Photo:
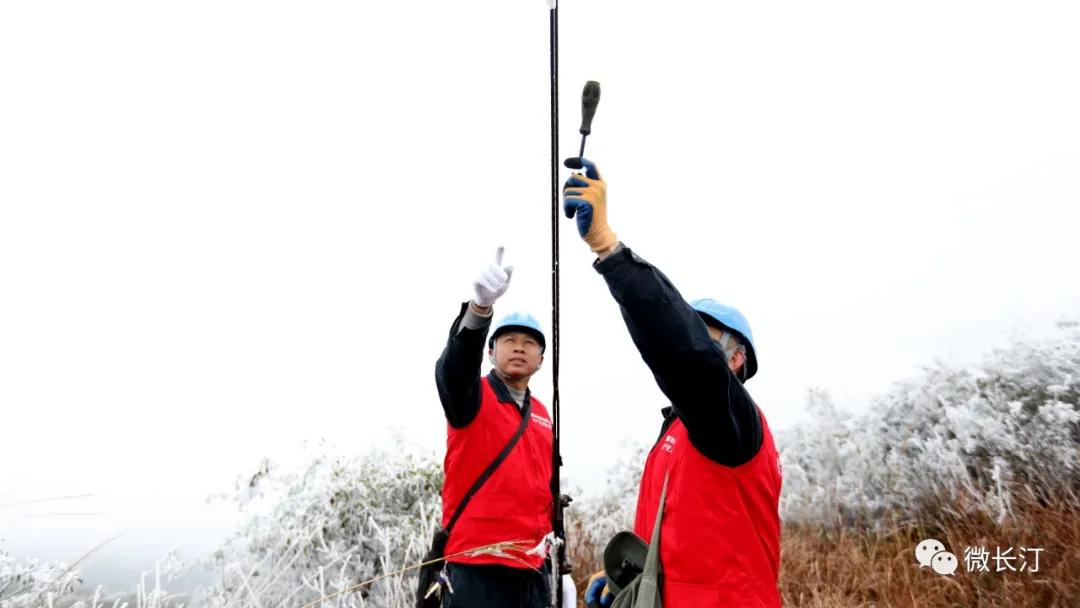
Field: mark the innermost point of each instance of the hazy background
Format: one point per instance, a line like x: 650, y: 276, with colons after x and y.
x: 227, y: 228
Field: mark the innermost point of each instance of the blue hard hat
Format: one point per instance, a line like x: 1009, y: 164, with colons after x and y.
x: 518, y: 321
x: 714, y: 313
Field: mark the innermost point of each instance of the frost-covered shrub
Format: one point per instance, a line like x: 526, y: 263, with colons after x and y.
x: 828, y: 464
x: 31, y: 582
x: 336, y: 523
x: 593, y: 520
x: 149, y: 592
x: 956, y: 439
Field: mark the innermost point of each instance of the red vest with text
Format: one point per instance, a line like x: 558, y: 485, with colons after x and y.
x: 515, y: 503
x: 720, y: 536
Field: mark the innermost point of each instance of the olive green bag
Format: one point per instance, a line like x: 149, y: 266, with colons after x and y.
x: 644, y: 590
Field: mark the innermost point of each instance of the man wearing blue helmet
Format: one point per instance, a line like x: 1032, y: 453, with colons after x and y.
x: 720, y: 527
x: 493, y: 421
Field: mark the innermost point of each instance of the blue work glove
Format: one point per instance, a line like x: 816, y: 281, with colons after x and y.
x: 585, y: 197
x: 597, y: 594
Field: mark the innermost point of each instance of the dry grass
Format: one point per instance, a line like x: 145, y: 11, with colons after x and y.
x: 853, y: 566
x: 849, y: 566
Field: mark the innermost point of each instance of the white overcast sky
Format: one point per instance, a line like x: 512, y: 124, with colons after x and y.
x: 230, y: 227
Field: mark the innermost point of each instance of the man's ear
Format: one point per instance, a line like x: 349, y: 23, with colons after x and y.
x: 540, y: 363
x: 739, y: 359
x: 491, y: 356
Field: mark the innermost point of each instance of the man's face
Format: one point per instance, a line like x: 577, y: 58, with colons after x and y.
x: 737, y: 360
x: 517, y: 354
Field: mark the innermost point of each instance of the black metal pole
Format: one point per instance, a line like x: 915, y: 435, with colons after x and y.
x: 556, y: 490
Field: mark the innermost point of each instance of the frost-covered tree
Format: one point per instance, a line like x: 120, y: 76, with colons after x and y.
x: 335, y: 523
x: 957, y: 439
x: 593, y: 520
x: 28, y: 583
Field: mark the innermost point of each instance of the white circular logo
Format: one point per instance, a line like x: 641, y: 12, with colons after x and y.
x: 926, y: 550
x: 944, y: 563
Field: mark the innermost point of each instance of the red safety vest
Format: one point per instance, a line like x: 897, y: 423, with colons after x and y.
x: 720, y: 537
x: 515, y: 503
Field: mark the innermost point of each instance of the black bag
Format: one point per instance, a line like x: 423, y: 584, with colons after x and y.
x: 434, y: 574
x: 431, y: 574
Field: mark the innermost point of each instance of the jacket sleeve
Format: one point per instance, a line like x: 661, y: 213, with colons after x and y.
x: 689, y: 367
x: 457, y: 372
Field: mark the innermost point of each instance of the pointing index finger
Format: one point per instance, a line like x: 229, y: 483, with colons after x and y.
x: 499, y: 255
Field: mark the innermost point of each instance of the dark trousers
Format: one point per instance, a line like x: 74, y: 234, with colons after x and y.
x: 491, y: 586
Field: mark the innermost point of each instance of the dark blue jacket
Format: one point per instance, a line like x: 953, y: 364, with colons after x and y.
x: 689, y: 367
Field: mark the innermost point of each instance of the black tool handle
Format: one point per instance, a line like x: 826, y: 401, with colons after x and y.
x: 590, y: 98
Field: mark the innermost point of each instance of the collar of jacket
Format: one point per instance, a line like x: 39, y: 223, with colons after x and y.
x: 503, y: 394
x: 669, y: 418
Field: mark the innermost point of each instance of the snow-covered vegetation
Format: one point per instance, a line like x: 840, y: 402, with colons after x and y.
x: 956, y: 439
x: 972, y: 457
x: 592, y: 520
x: 983, y: 442
x: 318, y: 532
x: 26, y: 583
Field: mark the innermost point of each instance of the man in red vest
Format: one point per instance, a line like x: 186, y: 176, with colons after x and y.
x: 482, y: 414
x: 720, y: 533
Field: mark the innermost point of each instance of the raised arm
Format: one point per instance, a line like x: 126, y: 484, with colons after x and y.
x: 689, y: 367
x: 457, y: 372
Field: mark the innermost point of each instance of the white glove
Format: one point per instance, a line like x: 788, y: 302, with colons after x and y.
x: 493, y: 282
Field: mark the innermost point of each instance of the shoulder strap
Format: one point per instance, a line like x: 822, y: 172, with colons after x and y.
x: 648, y: 593
x: 526, y: 415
